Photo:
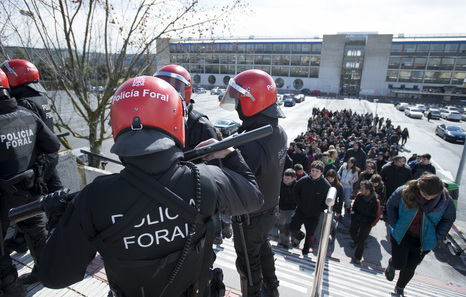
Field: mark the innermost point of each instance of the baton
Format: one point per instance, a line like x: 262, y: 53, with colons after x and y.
x: 63, y: 134
x: 231, y: 141
x: 31, y: 209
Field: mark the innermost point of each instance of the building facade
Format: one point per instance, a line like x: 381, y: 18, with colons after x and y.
x: 349, y: 64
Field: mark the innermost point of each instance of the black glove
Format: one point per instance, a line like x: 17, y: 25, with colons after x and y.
x: 54, y: 204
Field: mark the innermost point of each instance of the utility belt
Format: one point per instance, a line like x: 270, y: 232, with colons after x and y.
x: 245, y: 219
x: 21, y: 181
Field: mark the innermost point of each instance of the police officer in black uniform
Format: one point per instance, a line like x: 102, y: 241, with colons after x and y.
x: 253, y: 94
x: 148, y: 246
x: 22, y: 136
x: 198, y: 126
x: 23, y: 78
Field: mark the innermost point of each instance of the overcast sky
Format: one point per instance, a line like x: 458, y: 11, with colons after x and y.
x: 306, y: 18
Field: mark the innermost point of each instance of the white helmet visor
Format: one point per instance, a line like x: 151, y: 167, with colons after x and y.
x: 232, y: 94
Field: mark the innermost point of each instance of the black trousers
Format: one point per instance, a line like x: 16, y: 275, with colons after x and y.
x: 359, y: 233
x: 33, y: 228
x: 258, y: 250
x: 310, y: 223
x: 406, y: 256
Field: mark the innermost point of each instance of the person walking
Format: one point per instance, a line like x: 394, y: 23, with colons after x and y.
x: 404, y: 136
x: 363, y: 215
x: 152, y: 221
x: 22, y: 136
x: 348, y: 175
x: 310, y: 193
x: 395, y: 174
x: 287, y: 205
x: 420, y: 214
x: 253, y: 94
x: 424, y: 166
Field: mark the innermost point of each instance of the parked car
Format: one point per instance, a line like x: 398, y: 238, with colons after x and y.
x: 227, y: 127
x: 288, y: 100
x: 453, y: 133
x: 435, y: 113
x: 306, y: 91
x: 452, y: 108
x: 220, y: 97
x: 299, y: 98
x: 463, y: 116
x: 402, y: 106
x: 216, y: 91
x: 451, y: 115
x: 201, y: 91
x: 421, y: 107
x: 413, y: 112
x: 279, y: 99
x: 315, y: 93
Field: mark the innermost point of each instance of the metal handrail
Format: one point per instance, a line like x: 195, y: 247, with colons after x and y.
x: 324, y: 238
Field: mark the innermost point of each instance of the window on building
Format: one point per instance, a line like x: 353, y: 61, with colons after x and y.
x: 299, y: 71
x: 315, y: 60
x: 298, y: 84
x: 392, y: 75
x: 268, y: 48
x: 462, y: 51
x: 316, y: 48
x: 420, y: 63
x: 242, y: 68
x: 232, y: 48
x: 405, y: 76
x: 355, y: 65
x: 437, y: 77
x: 423, y: 49
x: 417, y: 76
x: 224, y: 48
x: 397, y: 49
x: 434, y: 63
x: 279, y: 82
x: 306, y: 48
x: 458, y: 78
x: 278, y: 48
x: 211, y: 58
x: 451, y: 48
x: 409, y: 48
x: 407, y: 63
x: 259, y: 48
x: 279, y: 71
x: 173, y: 59
x: 197, y: 79
x: 195, y: 68
x: 212, y: 68
x: 281, y: 60
x: 437, y: 48
x: 394, y: 62
x: 263, y: 68
x: 314, y: 72
x: 447, y: 63
x: 295, y: 48
x: 354, y: 53
x: 460, y: 64
x: 262, y: 59
x: 227, y: 69
x: 226, y: 79
x: 444, y: 78
x: 211, y: 79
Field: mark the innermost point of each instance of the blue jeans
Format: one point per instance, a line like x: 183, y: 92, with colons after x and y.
x: 347, y: 192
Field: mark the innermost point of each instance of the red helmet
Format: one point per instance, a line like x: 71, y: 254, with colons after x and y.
x: 146, y: 116
x: 179, y: 78
x: 256, y: 91
x: 3, y: 80
x: 20, y: 72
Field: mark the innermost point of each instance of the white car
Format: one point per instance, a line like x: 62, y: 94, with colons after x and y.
x: 421, y: 107
x: 435, y: 113
x: 413, y: 112
x: 402, y: 106
x: 451, y: 115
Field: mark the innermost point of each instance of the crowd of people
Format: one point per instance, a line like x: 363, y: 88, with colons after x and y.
x: 359, y: 155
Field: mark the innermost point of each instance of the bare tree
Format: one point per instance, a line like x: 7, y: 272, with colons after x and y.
x: 92, y: 43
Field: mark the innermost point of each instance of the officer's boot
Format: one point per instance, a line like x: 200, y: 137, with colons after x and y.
x: 35, y: 246
x: 270, y: 289
x: 9, y: 284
